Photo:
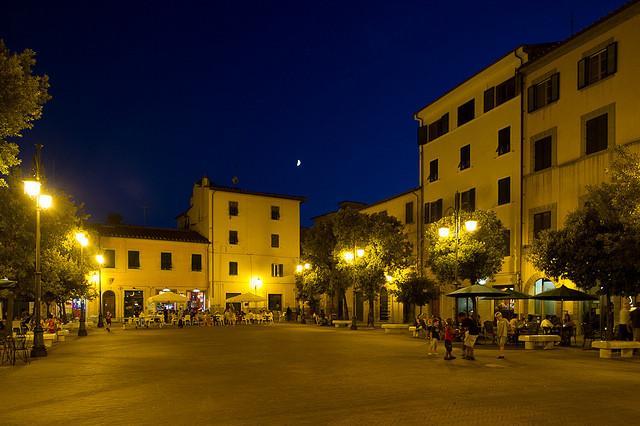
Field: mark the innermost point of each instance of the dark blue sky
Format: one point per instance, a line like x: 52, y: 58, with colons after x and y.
x: 148, y: 96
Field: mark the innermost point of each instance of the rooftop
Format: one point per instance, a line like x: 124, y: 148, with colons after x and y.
x: 149, y: 233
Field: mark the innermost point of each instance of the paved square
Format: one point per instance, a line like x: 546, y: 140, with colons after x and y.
x: 292, y: 374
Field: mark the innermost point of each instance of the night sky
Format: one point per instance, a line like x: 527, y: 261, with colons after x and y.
x: 149, y: 96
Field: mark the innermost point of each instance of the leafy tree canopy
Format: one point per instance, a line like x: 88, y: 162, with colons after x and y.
x: 416, y: 290
x: 22, y: 97
x: 476, y: 255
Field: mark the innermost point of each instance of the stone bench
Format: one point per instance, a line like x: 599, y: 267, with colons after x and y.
x: 533, y: 340
x: 62, y: 334
x: 49, y: 339
x: 395, y: 328
x: 414, y: 331
x: 607, y: 348
x: 341, y: 323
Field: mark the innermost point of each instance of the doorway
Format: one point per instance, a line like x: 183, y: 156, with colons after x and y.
x: 109, y: 303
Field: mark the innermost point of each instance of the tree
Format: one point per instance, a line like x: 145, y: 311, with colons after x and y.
x: 385, y: 252
x: 416, y: 291
x: 477, y: 255
x: 22, y: 97
x: 62, y: 276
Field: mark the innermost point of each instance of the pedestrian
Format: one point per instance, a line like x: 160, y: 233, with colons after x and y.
x: 502, y: 331
x: 108, y: 319
x: 448, y: 340
x: 624, y: 326
x: 635, y: 323
x: 434, y: 335
x: 470, y: 336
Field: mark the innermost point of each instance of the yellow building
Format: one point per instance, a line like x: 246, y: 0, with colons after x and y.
x: 255, y: 241
x: 469, y: 149
x: 140, y: 262
x: 581, y: 101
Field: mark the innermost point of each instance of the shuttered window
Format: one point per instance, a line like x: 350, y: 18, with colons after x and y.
x: 597, y: 134
x: 504, y: 141
x: 433, y: 170
x: 466, y: 112
x: 465, y: 157
x: 543, y: 93
x: 504, y: 191
x: 541, y: 221
x: 439, y: 127
x: 489, y: 100
x: 542, y: 154
x: 408, y: 212
x: 468, y: 200
x: 433, y: 211
x: 597, y: 66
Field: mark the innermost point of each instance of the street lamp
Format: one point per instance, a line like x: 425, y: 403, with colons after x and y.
x: 100, y: 261
x: 351, y: 257
x: 83, y: 241
x: 32, y: 189
x: 444, y: 232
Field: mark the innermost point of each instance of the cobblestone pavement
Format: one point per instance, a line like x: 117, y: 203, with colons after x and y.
x: 292, y: 374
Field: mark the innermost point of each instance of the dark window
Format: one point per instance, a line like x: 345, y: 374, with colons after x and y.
x: 597, y: 133
x: 489, y: 101
x: 504, y: 191
x: 433, y: 211
x: 439, y: 127
x: 542, y: 154
x: 505, y: 91
x: 165, y: 261
x: 196, y: 262
x: 233, y: 268
x: 275, y: 212
x: 109, y: 258
x: 277, y: 270
x: 408, y: 212
x: 543, y: 93
x: 465, y: 157
x: 466, y: 112
x: 598, y: 66
x: 133, y: 259
x: 468, y: 200
x: 233, y: 237
x: 504, y: 141
x: 233, y: 208
x: 506, y: 238
x: 423, y: 134
x: 541, y: 221
x: 275, y: 240
x: 433, y: 170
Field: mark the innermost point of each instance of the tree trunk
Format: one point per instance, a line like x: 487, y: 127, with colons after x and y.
x: 345, y: 305
x: 371, y: 318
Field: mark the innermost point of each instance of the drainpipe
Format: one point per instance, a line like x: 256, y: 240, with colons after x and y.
x: 520, y: 78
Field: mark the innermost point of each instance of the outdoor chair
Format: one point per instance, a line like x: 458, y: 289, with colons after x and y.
x: 489, y: 333
x: 187, y: 320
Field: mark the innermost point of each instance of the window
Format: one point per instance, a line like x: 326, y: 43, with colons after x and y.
x: 133, y: 259
x: 165, y: 261
x: 196, y: 262
x: 468, y: 200
x: 505, y: 91
x: 504, y: 141
x: 275, y: 212
x: 504, y: 191
x: 597, y: 66
x: 233, y: 237
x: 408, y: 212
x: 489, y: 99
x: 109, y: 258
x: 506, y: 238
x: 433, y: 170
x: 542, y: 154
x: 541, y: 221
x: 275, y: 240
x: 465, y: 157
x: 499, y: 94
x: 233, y: 208
x: 466, y: 112
x: 423, y: 134
x: 433, y: 211
x: 277, y: 270
x: 597, y: 130
x: 439, y: 127
x: 543, y: 93
x: 233, y: 268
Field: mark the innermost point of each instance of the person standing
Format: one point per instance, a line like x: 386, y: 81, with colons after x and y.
x: 108, y: 319
x: 448, y: 340
x: 502, y: 331
x: 625, y: 321
x: 635, y: 323
x: 470, y: 336
x: 434, y: 336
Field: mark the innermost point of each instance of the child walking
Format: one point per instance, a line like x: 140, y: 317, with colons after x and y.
x: 448, y: 340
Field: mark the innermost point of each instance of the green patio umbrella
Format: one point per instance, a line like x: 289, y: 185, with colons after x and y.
x: 563, y: 293
x: 474, y: 291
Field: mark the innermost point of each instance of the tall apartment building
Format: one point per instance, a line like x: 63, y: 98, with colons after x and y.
x: 255, y: 241
x: 526, y: 135
x: 581, y: 101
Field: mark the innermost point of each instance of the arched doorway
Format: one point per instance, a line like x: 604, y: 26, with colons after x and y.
x: 109, y: 303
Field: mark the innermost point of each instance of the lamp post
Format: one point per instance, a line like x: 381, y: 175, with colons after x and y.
x: 83, y: 241
x: 351, y: 257
x: 100, y: 261
x: 300, y: 269
x: 444, y: 232
x: 32, y: 188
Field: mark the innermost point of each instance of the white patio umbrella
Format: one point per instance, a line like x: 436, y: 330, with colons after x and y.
x: 246, y: 297
x: 167, y: 297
